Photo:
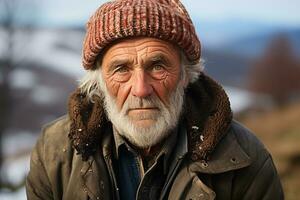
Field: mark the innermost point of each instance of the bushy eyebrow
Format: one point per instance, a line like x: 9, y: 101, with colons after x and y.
x: 153, y: 59
x: 158, y: 58
x: 119, y: 61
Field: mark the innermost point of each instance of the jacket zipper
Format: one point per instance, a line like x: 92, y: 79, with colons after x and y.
x: 170, y: 178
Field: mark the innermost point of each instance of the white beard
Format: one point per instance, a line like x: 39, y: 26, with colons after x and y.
x: 165, y: 119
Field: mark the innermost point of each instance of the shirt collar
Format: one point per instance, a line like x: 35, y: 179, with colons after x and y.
x: 119, y: 141
x: 165, y: 151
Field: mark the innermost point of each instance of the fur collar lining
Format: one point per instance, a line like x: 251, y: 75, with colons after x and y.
x: 207, y: 114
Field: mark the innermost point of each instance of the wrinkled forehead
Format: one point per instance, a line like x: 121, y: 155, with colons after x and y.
x: 139, y: 45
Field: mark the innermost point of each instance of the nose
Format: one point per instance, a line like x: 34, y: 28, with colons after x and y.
x: 141, y: 86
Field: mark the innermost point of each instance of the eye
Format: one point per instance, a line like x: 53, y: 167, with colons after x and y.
x: 157, y: 67
x: 121, y: 69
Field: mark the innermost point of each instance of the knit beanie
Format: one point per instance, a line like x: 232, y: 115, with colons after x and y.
x: 167, y: 20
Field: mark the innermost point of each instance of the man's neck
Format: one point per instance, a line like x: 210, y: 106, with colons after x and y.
x: 150, y: 151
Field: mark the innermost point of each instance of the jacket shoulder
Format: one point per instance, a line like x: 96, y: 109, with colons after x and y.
x: 53, y: 143
x: 242, y: 166
x: 248, y: 141
x: 260, y: 179
x: 51, y: 150
x: 56, y: 132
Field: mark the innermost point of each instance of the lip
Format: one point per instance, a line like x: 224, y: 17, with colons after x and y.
x: 151, y: 108
x: 142, y: 109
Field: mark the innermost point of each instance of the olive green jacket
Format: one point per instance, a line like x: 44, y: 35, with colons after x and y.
x: 239, y: 168
x: 216, y: 158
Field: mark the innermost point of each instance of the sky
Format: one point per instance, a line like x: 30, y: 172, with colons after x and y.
x: 281, y: 12
x: 216, y: 21
x: 76, y: 12
x: 274, y: 11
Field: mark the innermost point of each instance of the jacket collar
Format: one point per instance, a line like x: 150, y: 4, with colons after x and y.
x: 207, y: 116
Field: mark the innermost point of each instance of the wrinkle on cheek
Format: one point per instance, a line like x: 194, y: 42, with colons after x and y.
x: 118, y: 90
x: 123, y: 94
x: 112, y: 86
x: 164, y: 88
x: 170, y: 81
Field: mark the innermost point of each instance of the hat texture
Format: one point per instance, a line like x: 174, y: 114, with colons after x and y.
x: 163, y: 19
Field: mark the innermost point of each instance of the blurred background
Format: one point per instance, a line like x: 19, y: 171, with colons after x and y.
x: 251, y: 47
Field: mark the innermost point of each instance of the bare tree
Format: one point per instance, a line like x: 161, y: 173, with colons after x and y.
x: 10, y: 57
x: 277, y: 72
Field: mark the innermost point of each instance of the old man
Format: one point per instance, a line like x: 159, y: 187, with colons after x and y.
x: 146, y: 122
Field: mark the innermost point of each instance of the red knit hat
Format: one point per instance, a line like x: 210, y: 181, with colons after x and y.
x: 163, y: 19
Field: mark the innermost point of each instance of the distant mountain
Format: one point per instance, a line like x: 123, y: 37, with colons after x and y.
x: 230, y: 59
x: 254, y: 45
x: 229, y: 69
x: 218, y: 33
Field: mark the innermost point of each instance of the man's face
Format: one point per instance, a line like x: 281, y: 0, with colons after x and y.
x: 143, y: 84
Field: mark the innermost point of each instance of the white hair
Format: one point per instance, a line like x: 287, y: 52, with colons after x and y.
x: 89, y: 83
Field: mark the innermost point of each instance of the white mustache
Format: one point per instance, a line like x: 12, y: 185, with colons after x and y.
x: 133, y: 102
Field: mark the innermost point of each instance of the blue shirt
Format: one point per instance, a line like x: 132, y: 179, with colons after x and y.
x: 136, y: 181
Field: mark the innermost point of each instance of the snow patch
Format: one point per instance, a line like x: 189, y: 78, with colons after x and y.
x: 240, y: 100
x: 44, y: 50
x: 15, y: 142
x: 22, y: 79
x: 16, y: 170
x: 44, y: 95
x: 18, y: 195
x: 3, y: 46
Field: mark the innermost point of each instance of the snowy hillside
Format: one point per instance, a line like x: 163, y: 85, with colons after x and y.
x: 58, y: 49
